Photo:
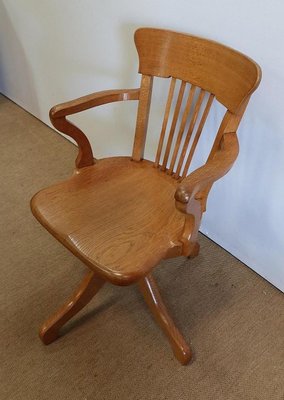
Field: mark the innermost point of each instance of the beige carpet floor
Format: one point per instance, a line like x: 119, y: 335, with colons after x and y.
x: 113, y: 349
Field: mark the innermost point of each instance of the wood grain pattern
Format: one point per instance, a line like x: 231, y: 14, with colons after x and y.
x: 165, y: 121
x: 142, y: 117
x: 85, y: 156
x: 58, y: 118
x: 122, y: 215
x: 189, y: 132
x: 182, y: 127
x: 118, y: 216
x: 93, y: 100
x: 90, y: 285
x: 194, y: 184
x: 198, y: 133
x: 151, y: 294
x: 173, y: 126
x: 228, y: 74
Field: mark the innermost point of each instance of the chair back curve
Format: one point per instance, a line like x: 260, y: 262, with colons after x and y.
x: 200, y: 70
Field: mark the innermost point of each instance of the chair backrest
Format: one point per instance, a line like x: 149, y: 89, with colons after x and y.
x: 212, y: 70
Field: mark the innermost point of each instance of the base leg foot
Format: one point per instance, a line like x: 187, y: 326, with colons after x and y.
x: 150, y: 291
x: 90, y: 285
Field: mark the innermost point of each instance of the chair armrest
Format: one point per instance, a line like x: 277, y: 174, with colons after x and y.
x: 58, y: 118
x: 93, y: 100
x: 194, y: 185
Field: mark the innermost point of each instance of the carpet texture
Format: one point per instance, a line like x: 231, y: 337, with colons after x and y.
x: 113, y: 349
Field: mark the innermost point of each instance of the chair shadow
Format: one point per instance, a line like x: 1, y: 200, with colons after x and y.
x: 75, y: 323
x: 191, y: 292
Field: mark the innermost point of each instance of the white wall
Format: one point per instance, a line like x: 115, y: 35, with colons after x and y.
x: 52, y: 51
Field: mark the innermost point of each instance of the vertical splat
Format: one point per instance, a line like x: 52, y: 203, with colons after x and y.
x: 190, y: 131
x: 142, y: 117
x: 173, y: 126
x: 182, y: 127
x: 186, y: 111
x: 165, y: 121
x: 198, y: 134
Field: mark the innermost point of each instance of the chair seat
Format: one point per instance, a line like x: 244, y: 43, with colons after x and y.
x: 118, y: 216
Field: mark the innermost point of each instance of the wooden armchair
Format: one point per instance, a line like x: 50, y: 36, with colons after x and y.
x: 122, y: 215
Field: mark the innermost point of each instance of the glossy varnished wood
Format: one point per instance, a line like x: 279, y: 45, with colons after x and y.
x: 181, y: 128
x: 216, y: 68
x: 197, y: 134
x: 165, y: 121
x: 58, y: 118
x: 173, y: 125
x: 90, y: 285
x: 190, y: 131
x: 118, y: 216
x: 142, y: 117
x: 122, y: 215
x: 151, y: 294
x: 193, y: 186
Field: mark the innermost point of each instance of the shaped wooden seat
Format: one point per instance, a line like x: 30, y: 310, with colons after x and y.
x: 118, y: 216
x: 123, y: 215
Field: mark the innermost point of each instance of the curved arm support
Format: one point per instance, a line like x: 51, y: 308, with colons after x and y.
x: 93, y: 100
x: 192, y: 193
x: 194, y: 185
x: 58, y: 118
x: 85, y: 155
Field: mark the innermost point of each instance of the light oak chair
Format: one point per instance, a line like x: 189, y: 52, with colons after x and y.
x: 122, y: 215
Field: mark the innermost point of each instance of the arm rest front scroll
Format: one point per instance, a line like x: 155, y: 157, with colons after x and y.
x: 191, y: 194
x: 195, y: 184
x: 58, y: 118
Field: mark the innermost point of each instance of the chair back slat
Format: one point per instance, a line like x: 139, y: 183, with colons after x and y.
x: 165, y: 121
x: 214, y: 67
x: 206, y: 70
x: 142, y: 117
x: 197, y: 134
x: 173, y: 126
x: 190, y: 131
x: 182, y: 127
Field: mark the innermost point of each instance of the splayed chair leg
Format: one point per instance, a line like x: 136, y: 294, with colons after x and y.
x: 150, y: 291
x: 90, y: 285
x: 194, y: 251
